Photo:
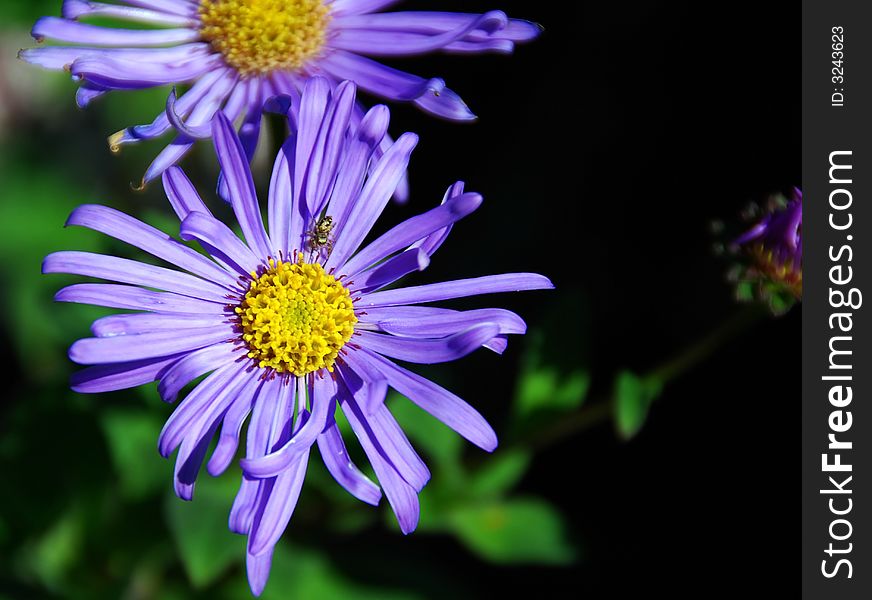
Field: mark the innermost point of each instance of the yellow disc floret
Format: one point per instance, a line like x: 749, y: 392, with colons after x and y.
x: 295, y: 318
x: 257, y: 37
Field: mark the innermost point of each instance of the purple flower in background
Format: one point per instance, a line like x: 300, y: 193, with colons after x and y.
x: 239, y: 53
x: 292, y: 322
x: 774, y: 248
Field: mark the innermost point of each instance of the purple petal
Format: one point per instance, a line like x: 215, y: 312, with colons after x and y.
x: 402, y: 497
x: 411, y: 230
x: 433, y: 241
x: 136, y: 323
x: 437, y: 322
x: 186, y: 8
x: 275, y: 462
x: 198, y: 132
x: 124, y: 270
x: 240, y: 184
x: 228, y: 441
x: 381, y: 427
x: 429, y: 351
x: 391, y: 270
x: 80, y: 33
x: 246, y: 96
x: 132, y: 231
x: 397, y: 448
x: 135, y: 298
x: 367, y: 385
x: 220, y: 241
x: 257, y: 569
x: 429, y: 22
x: 122, y: 348
x: 189, y: 460
x: 244, y: 504
x: 429, y: 94
x: 401, y: 194
x: 73, y: 9
x: 498, y: 344
x: 377, y: 78
x: 375, y: 194
x: 274, y: 514
x: 87, y: 93
x: 201, y: 113
x: 129, y: 74
x: 281, y: 197
x: 63, y: 57
x: 358, y: 153
x: 313, y: 108
x: 446, y: 104
x: 437, y: 401
x: 167, y: 157
x: 200, y: 432
x: 194, y: 364
x: 328, y: 148
x: 110, y: 378
x: 270, y: 404
x: 357, y: 7
x: 344, y: 471
x: 394, y: 34
x: 446, y: 290
x: 277, y: 497
x: 181, y: 193
x: 203, y: 88
x: 208, y: 392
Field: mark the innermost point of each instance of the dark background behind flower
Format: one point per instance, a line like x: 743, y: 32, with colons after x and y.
x: 604, y: 151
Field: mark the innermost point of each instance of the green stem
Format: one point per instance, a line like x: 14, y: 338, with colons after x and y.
x: 704, y: 348
x: 597, y: 412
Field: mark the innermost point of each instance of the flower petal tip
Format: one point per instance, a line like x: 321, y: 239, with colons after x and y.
x: 114, y: 141
x: 408, y: 524
x: 73, y: 9
x: 77, y: 354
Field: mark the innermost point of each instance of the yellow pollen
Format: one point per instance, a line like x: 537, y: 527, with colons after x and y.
x: 295, y: 318
x: 257, y: 37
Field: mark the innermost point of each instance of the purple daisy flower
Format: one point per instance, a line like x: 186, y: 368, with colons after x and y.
x: 774, y: 245
x: 290, y: 323
x: 239, y: 53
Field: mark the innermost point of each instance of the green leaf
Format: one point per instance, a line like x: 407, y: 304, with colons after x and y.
x: 633, y: 398
x: 206, y: 547
x: 554, y: 376
x: 745, y: 291
x: 499, y: 473
x: 132, y: 438
x: 52, y: 557
x: 32, y: 216
x: 519, y: 531
x: 543, y: 388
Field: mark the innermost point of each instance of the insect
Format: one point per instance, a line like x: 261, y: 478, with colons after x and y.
x: 321, y: 235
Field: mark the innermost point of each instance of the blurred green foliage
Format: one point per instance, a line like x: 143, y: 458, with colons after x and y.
x: 633, y: 398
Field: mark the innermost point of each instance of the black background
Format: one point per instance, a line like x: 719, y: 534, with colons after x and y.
x: 604, y: 150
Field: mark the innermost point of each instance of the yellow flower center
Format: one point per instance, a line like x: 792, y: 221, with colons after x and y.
x: 257, y: 37
x: 295, y: 318
x: 784, y: 273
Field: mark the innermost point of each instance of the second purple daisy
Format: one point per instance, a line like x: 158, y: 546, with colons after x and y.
x: 239, y: 53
